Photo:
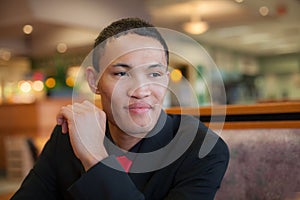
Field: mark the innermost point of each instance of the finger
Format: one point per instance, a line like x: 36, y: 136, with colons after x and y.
x: 89, y: 105
x: 79, y: 108
x: 85, y: 108
x: 60, y: 119
x: 63, y: 117
x: 64, y: 127
x: 67, y: 112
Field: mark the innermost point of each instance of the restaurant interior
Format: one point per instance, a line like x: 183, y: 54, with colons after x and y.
x: 235, y: 64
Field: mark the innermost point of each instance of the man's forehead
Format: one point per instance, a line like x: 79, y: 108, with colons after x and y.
x: 128, y: 44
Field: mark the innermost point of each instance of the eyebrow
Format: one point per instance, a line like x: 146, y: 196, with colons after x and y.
x: 156, y: 65
x: 121, y: 65
x: 128, y: 66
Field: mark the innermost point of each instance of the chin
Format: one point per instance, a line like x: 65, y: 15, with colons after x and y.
x: 137, y: 130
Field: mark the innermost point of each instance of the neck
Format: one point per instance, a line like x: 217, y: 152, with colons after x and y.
x: 122, y: 139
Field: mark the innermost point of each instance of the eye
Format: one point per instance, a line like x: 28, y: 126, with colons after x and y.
x: 120, y: 73
x: 155, y: 74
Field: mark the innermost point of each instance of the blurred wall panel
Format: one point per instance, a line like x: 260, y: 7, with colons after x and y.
x: 16, y: 119
x: 34, y: 121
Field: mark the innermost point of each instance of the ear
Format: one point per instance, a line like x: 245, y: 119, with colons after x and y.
x: 168, y: 75
x: 91, y: 77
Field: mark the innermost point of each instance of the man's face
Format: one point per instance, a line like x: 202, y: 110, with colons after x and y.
x: 133, y: 83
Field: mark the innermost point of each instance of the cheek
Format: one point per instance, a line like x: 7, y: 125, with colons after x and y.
x: 105, y: 92
x: 159, y: 92
x: 111, y: 92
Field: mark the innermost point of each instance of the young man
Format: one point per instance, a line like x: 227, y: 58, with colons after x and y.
x: 131, y: 149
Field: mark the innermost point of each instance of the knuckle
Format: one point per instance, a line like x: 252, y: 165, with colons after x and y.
x: 86, y: 102
x: 76, y: 104
x: 63, y: 109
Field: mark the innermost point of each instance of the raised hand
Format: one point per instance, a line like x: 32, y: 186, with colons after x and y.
x: 85, y: 124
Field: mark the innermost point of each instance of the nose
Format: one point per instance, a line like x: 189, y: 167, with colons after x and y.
x: 139, y: 92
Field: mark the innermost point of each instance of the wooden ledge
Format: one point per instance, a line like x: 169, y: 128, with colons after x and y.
x: 261, y: 115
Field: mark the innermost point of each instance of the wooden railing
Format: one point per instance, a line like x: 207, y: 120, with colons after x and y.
x: 261, y: 115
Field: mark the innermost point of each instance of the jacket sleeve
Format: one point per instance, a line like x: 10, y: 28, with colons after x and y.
x: 40, y: 183
x: 200, y: 178
x: 105, y: 182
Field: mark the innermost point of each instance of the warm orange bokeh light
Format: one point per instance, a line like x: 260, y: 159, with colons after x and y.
x: 176, y: 75
x: 50, y: 82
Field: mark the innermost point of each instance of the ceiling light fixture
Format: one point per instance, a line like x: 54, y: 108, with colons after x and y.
x: 62, y: 47
x: 27, y: 29
x: 196, y: 26
x: 264, y: 11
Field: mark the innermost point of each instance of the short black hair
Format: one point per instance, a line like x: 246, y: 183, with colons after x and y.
x: 122, y: 27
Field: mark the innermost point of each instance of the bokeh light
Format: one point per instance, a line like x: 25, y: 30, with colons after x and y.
x: 25, y: 86
x: 50, y: 82
x: 27, y: 29
x: 176, y: 75
x: 70, y: 81
x: 38, y: 86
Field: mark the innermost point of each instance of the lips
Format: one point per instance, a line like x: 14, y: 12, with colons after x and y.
x: 139, y: 107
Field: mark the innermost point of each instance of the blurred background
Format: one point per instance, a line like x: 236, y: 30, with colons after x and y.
x: 254, y: 43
